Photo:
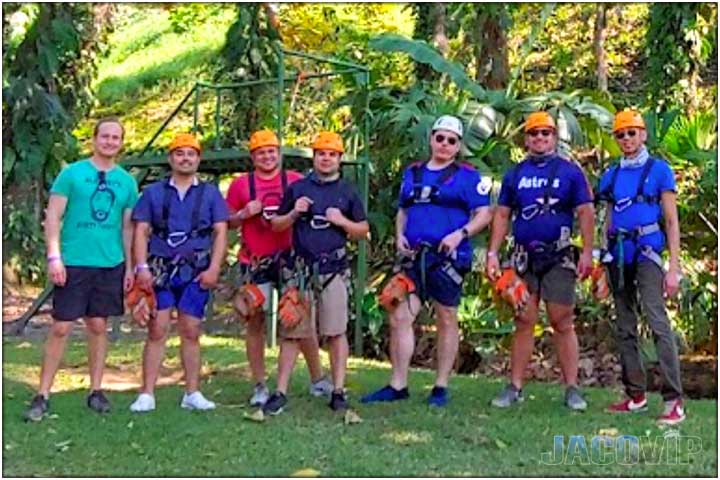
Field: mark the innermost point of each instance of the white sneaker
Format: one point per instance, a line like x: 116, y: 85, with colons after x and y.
x: 144, y: 403
x: 196, y: 401
x: 321, y: 388
x: 260, y: 395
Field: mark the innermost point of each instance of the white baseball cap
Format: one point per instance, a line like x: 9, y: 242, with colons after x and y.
x: 450, y: 123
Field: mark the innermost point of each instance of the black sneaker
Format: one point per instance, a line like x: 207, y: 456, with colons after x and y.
x: 338, y: 400
x: 39, y: 406
x: 98, y: 401
x: 275, y: 404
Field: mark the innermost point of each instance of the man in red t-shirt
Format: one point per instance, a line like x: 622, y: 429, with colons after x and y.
x: 253, y: 199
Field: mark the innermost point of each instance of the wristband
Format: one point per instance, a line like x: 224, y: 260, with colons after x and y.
x: 491, y: 253
x: 52, y: 258
x: 141, y: 266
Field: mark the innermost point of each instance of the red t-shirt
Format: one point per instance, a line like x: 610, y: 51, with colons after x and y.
x: 258, y: 239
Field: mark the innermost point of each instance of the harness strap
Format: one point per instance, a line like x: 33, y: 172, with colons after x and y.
x: 548, y: 187
x: 253, y: 187
x: 417, y: 187
x: 163, y: 230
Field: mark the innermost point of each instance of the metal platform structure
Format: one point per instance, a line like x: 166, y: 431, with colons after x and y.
x: 219, y: 158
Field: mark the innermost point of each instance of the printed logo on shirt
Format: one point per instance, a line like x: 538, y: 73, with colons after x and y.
x: 484, y: 185
x: 535, y: 182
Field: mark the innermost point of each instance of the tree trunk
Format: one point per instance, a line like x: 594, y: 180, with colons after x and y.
x: 439, y: 36
x: 599, y: 46
x: 491, y: 52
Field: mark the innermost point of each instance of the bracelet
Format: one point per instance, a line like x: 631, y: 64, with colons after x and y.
x: 52, y: 258
x: 141, y: 266
x: 491, y: 253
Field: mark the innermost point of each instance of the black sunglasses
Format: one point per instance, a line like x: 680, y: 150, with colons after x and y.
x: 440, y: 138
x: 544, y: 133
x: 621, y: 135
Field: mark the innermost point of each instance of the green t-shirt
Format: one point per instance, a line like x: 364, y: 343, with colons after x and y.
x: 91, y: 234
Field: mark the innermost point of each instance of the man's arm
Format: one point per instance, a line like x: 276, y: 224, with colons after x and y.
x: 481, y: 217
x: 672, y: 230
x: 53, y: 221
x: 219, y: 245
x: 500, y: 224
x: 127, y: 236
x: 586, y: 219
x: 282, y: 222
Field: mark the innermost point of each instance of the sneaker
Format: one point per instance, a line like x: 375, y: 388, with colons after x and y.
x: 144, y: 403
x: 438, y: 397
x: 321, y: 388
x: 275, y: 404
x: 386, y: 394
x: 509, y: 395
x: 630, y: 405
x: 574, y: 399
x: 260, y: 395
x: 196, y: 401
x: 39, y: 406
x: 338, y: 400
x: 98, y: 401
x: 674, y: 413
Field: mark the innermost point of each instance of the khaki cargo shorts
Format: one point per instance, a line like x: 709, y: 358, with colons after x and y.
x: 330, y: 310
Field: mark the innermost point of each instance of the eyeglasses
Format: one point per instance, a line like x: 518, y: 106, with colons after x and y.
x: 630, y: 133
x: 440, y: 138
x: 544, y: 133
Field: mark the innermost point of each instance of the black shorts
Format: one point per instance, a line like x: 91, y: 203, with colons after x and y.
x: 90, y: 292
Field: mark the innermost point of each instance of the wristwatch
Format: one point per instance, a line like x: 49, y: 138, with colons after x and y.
x: 465, y: 232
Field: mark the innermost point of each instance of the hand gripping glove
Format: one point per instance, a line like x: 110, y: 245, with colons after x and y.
x: 512, y: 290
x: 395, y: 291
x: 600, y: 286
x: 248, y: 300
x: 293, y: 308
x: 142, y: 304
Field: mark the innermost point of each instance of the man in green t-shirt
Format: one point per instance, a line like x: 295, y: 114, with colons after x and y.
x: 88, y: 232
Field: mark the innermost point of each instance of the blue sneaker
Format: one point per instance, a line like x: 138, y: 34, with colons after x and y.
x: 386, y: 394
x: 438, y: 397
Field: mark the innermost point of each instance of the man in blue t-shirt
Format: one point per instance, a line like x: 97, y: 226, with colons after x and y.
x: 443, y: 203
x: 542, y: 194
x: 181, y: 223
x: 324, y: 212
x: 639, y: 192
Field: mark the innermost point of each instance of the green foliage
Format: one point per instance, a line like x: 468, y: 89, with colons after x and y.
x: 250, y: 53
x: 24, y: 244
x: 677, y: 47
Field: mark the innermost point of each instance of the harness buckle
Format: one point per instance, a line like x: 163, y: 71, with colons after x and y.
x: 319, y: 222
x: 623, y: 204
x: 530, y: 212
x: 181, y: 236
x: 268, y: 213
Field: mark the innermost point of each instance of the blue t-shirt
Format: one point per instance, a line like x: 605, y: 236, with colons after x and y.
x: 629, y: 215
x: 149, y: 209
x: 455, y: 200
x: 313, y: 236
x: 523, y: 190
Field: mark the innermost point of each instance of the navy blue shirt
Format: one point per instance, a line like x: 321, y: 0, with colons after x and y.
x: 629, y: 215
x: 149, y: 208
x: 456, y: 199
x: 313, y: 236
x: 523, y: 189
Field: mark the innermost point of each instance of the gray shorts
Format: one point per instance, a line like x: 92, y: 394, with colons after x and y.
x: 556, y: 286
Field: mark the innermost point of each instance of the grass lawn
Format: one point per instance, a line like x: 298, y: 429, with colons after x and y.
x: 467, y: 438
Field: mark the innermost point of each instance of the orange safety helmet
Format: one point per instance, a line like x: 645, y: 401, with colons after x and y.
x: 263, y: 138
x: 628, y: 118
x: 328, y: 141
x: 185, y: 140
x: 539, y: 120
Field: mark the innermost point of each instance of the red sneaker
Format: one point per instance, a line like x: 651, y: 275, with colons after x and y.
x: 674, y: 413
x: 629, y: 405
